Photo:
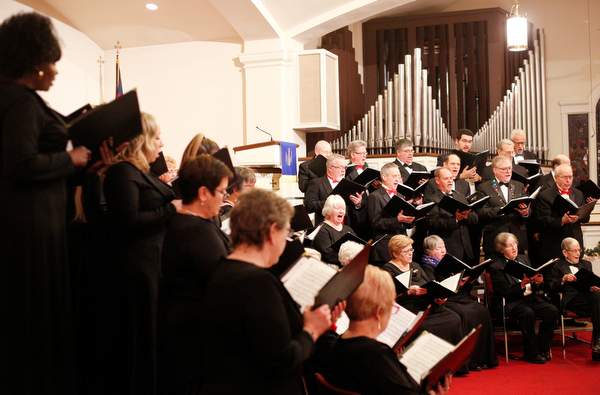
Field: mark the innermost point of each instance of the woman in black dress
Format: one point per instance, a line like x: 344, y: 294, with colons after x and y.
x: 472, y: 312
x: 254, y: 338
x: 192, y: 248
x: 37, y: 346
x: 440, y: 321
x: 139, y: 206
x: 332, y: 230
x: 357, y: 361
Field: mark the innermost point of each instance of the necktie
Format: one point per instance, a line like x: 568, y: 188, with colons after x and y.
x: 567, y: 192
x: 408, y: 165
x: 360, y: 167
x: 391, y: 191
x: 332, y: 180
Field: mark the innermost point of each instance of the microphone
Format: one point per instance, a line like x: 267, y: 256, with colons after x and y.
x: 264, y: 131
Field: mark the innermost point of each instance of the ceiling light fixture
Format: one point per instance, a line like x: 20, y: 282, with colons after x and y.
x: 152, y: 7
x: 516, y: 29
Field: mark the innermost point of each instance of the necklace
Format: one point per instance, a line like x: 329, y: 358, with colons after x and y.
x: 188, y: 212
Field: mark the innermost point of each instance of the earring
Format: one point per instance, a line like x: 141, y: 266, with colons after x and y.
x: 40, y: 74
x: 378, y: 325
x: 202, y: 203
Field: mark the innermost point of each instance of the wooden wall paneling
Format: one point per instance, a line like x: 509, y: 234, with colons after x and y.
x: 482, y: 76
x: 471, y: 77
x: 460, y: 77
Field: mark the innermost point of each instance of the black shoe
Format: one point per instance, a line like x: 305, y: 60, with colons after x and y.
x: 573, y: 322
x: 546, y: 356
x: 537, y: 359
x: 475, y: 367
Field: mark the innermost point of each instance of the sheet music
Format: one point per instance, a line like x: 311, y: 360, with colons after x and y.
x: 398, y: 324
x: 306, y: 278
x: 574, y: 269
x: 452, y: 282
x: 225, y: 227
x: 314, y: 233
x: 404, y: 278
x: 342, y: 324
x: 423, y: 354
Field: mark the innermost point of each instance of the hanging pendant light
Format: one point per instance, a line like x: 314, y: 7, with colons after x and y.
x: 516, y: 29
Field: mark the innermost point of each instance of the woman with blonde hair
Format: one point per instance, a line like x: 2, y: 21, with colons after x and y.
x: 139, y: 206
x: 197, y: 146
x: 357, y: 361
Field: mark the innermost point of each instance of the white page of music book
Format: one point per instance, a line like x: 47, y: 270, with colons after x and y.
x: 423, y: 354
x: 452, y: 282
x: 306, y: 278
x: 404, y: 278
x: 398, y: 324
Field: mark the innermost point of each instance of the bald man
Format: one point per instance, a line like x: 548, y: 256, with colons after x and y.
x: 304, y: 173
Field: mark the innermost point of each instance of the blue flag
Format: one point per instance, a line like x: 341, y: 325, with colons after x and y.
x: 288, y: 162
x: 119, y: 84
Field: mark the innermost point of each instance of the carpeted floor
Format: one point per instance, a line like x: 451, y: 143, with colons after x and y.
x: 575, y: 375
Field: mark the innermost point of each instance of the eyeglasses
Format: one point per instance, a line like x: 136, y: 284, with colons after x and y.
x: 224, y: 193
x: 172, y: 172
x: 408, y: 151
x: 509, y: 168
x: 360, y: 153
x: 466, y: 141
x: 566, y: 177
x: 338, y: 167
x: 519, y: 143
x: 290, y: 232
x: 395, y: 308
x: 407, y: 252
x: 574, y: 250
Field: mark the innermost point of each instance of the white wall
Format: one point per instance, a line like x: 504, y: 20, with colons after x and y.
x: 190, y: 88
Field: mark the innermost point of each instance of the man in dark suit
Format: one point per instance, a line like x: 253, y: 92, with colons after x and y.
x: 501, y: 190
x: 554, y: 227
x: 453, y: 228
x: 561, y: 278
x: 463, y: 141
x: 525, y: 300
x: 547, y: 180
x: 404, y: 160
x: 304, y: 173
x: 390, y: 177
x: 518, y: 138
x: 452, y: 163
x: 319, y: 189
x: 505, y: 148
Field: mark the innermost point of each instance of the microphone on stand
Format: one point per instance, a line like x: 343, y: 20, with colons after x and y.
x: 264, y: 131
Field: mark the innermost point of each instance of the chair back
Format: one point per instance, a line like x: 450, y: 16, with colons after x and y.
x: 488, y: 290
x: 327, y: 389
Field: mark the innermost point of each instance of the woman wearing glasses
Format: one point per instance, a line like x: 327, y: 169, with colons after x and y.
x: 357, y: 361
x: 192, y: 248
x: 440, y: 321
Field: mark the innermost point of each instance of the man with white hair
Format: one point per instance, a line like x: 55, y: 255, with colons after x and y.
x: 501, y: 190
x: 561, y: 278
x: 552, y: 226
x: 304, y: 173
x: 518, y: 138
x: 505, y: 148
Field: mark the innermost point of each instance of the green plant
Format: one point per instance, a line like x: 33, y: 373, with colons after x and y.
x: 593, y: 251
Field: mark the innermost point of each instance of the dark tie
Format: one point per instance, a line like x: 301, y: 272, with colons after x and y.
x: 408, y: 165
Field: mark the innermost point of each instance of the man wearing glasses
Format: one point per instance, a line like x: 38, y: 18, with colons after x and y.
x: 561, y: 278
x: 505, y: 148
x: 404, y: 160
x: 463, y: 142
x: 554, y: 227
x: 501, y: 190
x: 518, y: 138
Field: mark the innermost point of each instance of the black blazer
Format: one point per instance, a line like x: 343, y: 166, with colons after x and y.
x: 381, y: 225
x: 317, y: 192
x: 552, y: 232
x: 460, y: 185
x: 554, y: 275
x: 493, y: 224
x: 509, y: 287
x: 455, y: 234
x: 404, y: 173
x: 305, y: 175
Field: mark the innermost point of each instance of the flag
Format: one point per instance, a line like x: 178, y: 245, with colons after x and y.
x: 119, y: 84
x: 288, y: 162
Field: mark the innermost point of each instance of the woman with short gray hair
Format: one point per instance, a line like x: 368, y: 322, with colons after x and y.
x: 332, y: 229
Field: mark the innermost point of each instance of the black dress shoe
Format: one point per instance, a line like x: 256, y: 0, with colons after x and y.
x: 537, y: 359
x: 546, y: 356
x: 475, y: 367
x: 573, y: 322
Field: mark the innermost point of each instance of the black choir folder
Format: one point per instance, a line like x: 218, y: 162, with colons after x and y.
x: 526, y: 180
x: 428, y: 358
x: 312, y: 282
x: 514, y: 204
x: 589, y: 189
x: 562, y: 206
x: 472, y: 160
x: 411, y: 193
x: 450, y: 265
x: 452, y: 205
x: 585, y: 280
x: 400, y: 329
x: 367, y: 177
x: 397, y: 204
x: 519, y: 269
x: 159, y: 166
x: 443, y: 289
x: 345, y: 188
x: 416, y: 176
x: 318, y: 165
x: 301, y: 220
x: 120, y: 119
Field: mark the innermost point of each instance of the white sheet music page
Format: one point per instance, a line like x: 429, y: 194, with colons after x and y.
x: 342, y: 324
x: 398, y: 324
x: 452, y: 282
x: 306, y: 278
x: 404, y: 278
x: 423, y: 354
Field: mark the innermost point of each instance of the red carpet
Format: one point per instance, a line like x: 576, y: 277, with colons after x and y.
x: 575, y: 375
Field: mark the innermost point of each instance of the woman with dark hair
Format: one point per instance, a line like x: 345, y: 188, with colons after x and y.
x: 37, y: 346
x: 357, y: 361
x: 192, y: 248
x: 254, y: 338
x: 470, y: 311
x: 139, y: 206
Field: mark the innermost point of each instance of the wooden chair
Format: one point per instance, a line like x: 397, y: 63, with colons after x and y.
x: 327, y: 389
